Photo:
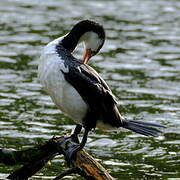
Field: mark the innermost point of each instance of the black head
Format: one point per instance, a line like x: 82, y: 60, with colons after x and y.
x: 89, y: 26
x: 89, y: 32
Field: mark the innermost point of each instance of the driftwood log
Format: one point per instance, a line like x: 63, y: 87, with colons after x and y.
x: 34, y: 159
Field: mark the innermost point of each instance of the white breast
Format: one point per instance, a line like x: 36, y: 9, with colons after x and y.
x: 62, y: 93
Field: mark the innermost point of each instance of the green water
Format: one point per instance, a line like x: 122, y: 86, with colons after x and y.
x: 140, y: 61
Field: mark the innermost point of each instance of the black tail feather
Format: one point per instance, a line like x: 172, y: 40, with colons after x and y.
x: 145, y: 128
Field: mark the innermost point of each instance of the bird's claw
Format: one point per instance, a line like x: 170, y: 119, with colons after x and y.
x: 70, y: 154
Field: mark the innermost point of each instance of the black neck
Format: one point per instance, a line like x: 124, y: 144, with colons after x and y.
x: 70, y: 41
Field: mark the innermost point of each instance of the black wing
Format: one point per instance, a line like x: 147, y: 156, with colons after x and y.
x: 96, y: 93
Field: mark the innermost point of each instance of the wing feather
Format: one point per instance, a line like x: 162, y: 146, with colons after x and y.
x: 95, y: 92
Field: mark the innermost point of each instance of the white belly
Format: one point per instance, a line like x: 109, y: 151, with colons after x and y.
x: 62, y: 93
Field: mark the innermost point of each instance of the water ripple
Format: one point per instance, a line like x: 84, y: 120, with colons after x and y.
x: 140, y: 62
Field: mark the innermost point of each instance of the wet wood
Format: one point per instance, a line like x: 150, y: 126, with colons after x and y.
x: 86, y: 163
x: 91, y: 167
x: 34, y: 159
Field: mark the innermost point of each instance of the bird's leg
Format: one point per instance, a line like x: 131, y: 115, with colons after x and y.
x: 84, y: 139
x: 74, y: 135
x: 71, y: 152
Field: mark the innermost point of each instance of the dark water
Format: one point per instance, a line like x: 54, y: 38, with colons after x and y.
x: 140, y: 61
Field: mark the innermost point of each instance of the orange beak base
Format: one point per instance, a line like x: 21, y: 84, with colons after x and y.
x: 87, y: 55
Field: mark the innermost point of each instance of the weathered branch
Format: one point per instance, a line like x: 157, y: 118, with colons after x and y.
x: 34, y: 159
x: 13, y: 157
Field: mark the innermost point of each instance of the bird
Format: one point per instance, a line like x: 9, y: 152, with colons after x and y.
x: 78, y: 90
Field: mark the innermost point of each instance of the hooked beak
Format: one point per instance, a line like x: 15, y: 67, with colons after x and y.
x: 87, y: 55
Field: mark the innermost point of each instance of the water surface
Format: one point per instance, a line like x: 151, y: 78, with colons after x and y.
x: 140, y: 61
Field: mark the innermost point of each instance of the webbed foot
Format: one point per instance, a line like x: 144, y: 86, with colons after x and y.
x: 70, y: 154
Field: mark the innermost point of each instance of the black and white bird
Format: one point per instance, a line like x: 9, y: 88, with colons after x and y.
x: 78, y: 90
